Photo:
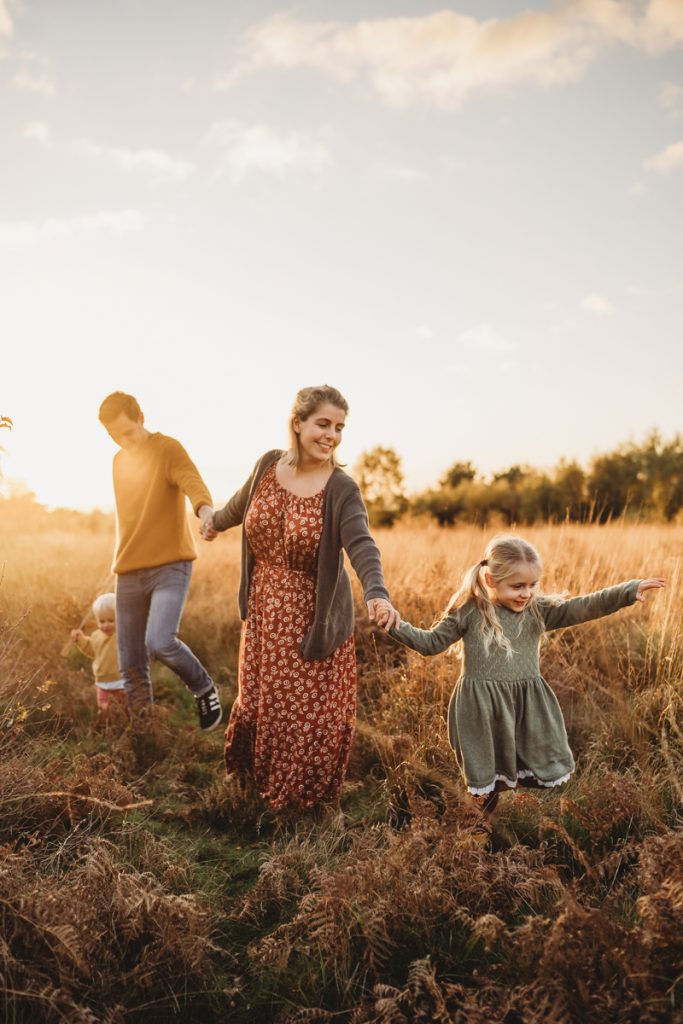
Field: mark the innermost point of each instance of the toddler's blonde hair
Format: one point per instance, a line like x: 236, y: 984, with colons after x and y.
x: 104, y: 603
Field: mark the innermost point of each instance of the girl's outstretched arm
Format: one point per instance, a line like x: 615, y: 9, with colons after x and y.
x: 595, y: 606
x: 430, y: 641
x: 654, y: 583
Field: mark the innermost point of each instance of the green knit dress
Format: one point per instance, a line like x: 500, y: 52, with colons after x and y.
x: 504, y: 721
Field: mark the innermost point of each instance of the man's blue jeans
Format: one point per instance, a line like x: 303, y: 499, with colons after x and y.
x: 149, y: 605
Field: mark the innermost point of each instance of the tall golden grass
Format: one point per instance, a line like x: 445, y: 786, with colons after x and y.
x: 162, y: 891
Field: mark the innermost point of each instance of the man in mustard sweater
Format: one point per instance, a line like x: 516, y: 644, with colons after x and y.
x: 153, y: 475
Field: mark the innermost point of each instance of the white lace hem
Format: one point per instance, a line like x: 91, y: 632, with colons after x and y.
x: 525, y: 773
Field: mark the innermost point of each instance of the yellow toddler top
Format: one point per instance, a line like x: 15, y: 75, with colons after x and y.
x: 104, y: 653
x: 150, y: 486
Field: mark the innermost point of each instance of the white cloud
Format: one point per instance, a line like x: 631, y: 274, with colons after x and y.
x: 565, y: 326
x: 670, y: 97
x: 668, y: 160
x: 36, y: 131
x: 259, y: 147
x: 440, y: 58
x: 154, y: 162
x: 39, y: 82
x: 23, y: 234
x: 637, y: 291
x: 404, y: 173
x: 484, y: 338
x: 425, y: 332
x: 443, y: 57
x: 597, y: 304
x: 662, y: 25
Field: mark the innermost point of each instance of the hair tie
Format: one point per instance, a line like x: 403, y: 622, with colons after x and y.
x: 484, y: 562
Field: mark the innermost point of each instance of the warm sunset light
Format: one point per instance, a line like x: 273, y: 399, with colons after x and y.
x: 341, y: 512
x: 443, y: 211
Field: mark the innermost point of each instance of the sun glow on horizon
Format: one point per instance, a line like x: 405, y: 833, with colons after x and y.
x: 373, y: 204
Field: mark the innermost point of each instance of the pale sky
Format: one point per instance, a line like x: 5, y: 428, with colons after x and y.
x: 466, y: 217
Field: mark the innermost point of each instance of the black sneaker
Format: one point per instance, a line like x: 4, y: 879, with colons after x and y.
x: 209, y: 710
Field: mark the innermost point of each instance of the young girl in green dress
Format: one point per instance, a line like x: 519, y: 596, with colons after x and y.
x: 504, y: 722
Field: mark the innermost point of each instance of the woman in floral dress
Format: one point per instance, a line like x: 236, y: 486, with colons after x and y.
x: 292, y: 723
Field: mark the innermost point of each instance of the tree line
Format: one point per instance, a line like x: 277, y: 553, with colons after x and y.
x: 639, y: 480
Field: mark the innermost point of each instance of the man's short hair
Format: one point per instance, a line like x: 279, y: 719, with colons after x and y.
x: 119, y: 402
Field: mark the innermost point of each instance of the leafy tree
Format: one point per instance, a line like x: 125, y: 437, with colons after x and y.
x: 509, y: 493
x: 570, y: 491
x: 446, y: 505
x: 380, y: 478
x: 617, y: 482
x: 643, y: 479
x: 458, y: 473
x: 514, y: 475
x: 506, y: 498
x: 668, y: 483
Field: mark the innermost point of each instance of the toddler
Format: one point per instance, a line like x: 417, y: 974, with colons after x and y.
x: 101, y: 647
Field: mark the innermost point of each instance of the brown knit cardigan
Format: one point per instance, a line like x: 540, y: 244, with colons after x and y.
x: 345, y: 528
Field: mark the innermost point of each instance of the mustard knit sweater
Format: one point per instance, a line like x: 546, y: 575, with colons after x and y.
x: 150, y: 487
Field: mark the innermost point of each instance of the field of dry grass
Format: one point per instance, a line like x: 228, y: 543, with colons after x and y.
x: 143, y: 886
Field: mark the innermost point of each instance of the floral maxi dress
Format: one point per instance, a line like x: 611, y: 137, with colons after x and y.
x: 291, y: 726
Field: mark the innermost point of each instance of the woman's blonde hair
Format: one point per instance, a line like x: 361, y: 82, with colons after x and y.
x: 307, y: 401
x: 502, y: 556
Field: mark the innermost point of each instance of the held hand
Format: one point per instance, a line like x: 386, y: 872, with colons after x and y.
x: 383, y: 613
x: 206, y: 529
x: 652, y: 584
x: 76, y: 635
